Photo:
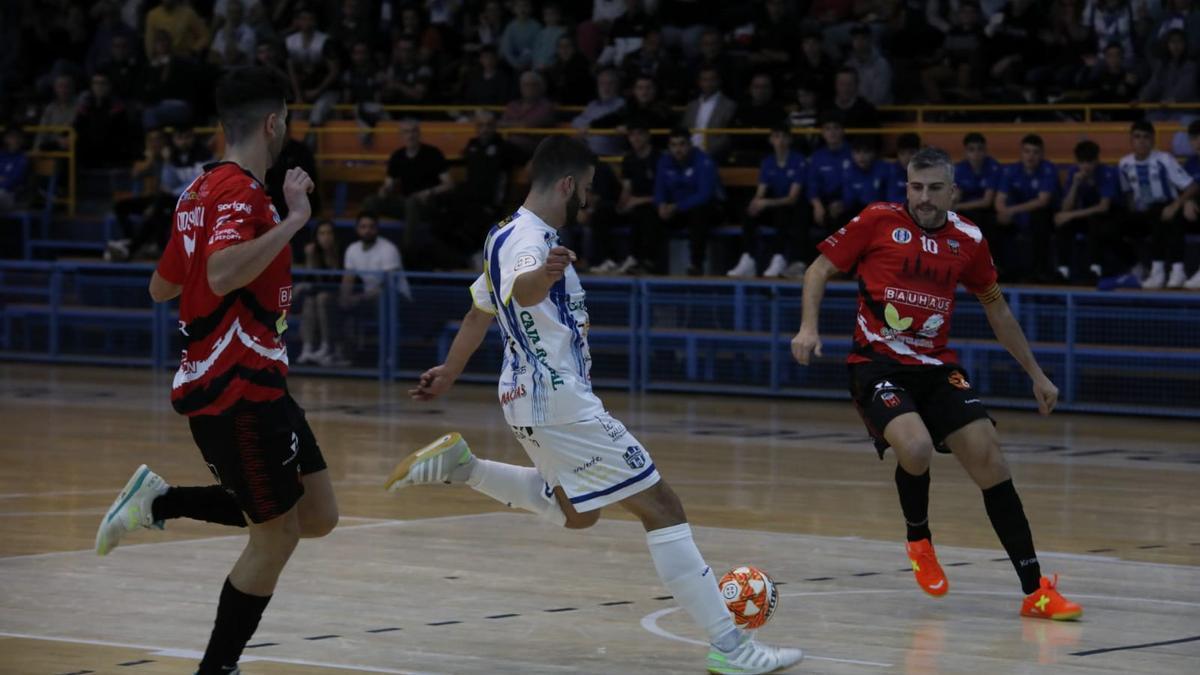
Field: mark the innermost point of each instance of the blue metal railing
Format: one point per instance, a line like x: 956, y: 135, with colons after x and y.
x: 1122, y: 352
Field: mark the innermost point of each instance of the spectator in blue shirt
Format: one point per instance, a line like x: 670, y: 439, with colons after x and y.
x: 520, y: 37
x: 867, y: 179
x: 776, y: 203
x: 977, y: 177
x: 907, y: 145
x: 14, y: 168
x: 1025, y: 202
x: 688, y: 194
x: 826, y: 167
x: 1093, y: 193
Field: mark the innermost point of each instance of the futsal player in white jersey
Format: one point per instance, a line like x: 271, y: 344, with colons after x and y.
x: 584, y: 459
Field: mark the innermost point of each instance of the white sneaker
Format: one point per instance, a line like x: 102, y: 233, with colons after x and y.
x: 776, y: 267
x: 322, y: 352
x: 307, y: 355
x: 131, y: 510
x: 446, y: 460
x: 606, y: 267
x: 745, y: 267
x: 752, y: 657
x: 1178, y: 277
x: 796, y: 270
x: 1193, y: 283
x: 629, y: 263
x: 1155, y: 281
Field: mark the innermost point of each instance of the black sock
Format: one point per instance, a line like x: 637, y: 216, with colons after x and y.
x: 237, y: 619
x: 210, y: 503
x: 1008, y: 519
x: 914, y: 502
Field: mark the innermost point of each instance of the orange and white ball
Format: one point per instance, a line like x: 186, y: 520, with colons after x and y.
x: 750, y: 595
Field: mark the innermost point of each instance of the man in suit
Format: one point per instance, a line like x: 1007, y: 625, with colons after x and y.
x: 711, y: 110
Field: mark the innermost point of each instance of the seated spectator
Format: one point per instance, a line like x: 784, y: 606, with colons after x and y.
x: 1181, y: 15
x: 776, y: 203
x: 125, y: 67
x: 644, y: 107
x: 293, y: 154
x: 711, y: 110
x: 866, y: 180
x: 959, y: 64
x: 760, y: 111
x: 362, y: 85
x: 1109, y: 81
x: 520, y: 37
x: 479, y: 200
x: 625, y: 36
x: 1025, y: 201
x: 360, y: 293
x: 490, y: 84
x: 1192, y: 166
x: 639, y: 167
x: 804, y: 114
x: 854, y: 111
x: 1174, y: 80
x: 488, y: 27
x: 416, y: 175
x: 651, y: 60
x: 189, y: 33
x: 407, y: 78
x: 316, y: 318
x: 570, y: 76
x: 977, y: 176
x: 233, y: 45
x: 316, y: 83
x: 545, y: 45
x: 816, y: 70
x: 1157, y: 191
x: 712, y: 55
x: 687, y: 193
x: 826, y: 170
x: 103, y: 127
x: 14, y: 169
x: 874, y: 72
x: 146, y: 174
x: 775, y: 43
x: 603, y: 112
x: 1088, y: 209
x: 532, y: 110
x: 907, y: 145
x: 306, y: 46
x: 591, y: 233
x: 108, y: 26
x: 1111, y: 21
x: 169, y: 93
x: 60, y: 112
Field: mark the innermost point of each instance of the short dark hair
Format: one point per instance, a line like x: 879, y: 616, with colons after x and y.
x: 865, y: 142
x: 908, y: 141
x: 679, y: 132
x: 929, y: 157
x: 366, y: 213
x: 1033, y: 139
x: 974, y: 137
x: 1194, y: 128
x: 1087, y: 151
x: 246, y: 95
x: 556, y: 157
x: 1142, y: 125
x: 782, y: 128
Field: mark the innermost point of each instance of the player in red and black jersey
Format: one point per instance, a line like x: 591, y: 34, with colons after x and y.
x: 229, y: 262
x: 904, y: 378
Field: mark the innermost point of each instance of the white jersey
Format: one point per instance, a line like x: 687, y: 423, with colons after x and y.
x: 1158, y: 179
x: 546, y: 378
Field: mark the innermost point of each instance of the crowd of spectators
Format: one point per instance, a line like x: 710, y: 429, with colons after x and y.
x: 146, y: 66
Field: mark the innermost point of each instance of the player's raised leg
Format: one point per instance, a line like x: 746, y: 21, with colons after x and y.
x: 977, y: 447
x: 683, y: 571
x: 910, y: 440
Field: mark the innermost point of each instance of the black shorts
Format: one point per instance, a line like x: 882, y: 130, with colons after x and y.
x: 259, y: 453
x: 941, y: 395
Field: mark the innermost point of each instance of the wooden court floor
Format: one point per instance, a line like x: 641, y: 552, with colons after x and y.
x: 443, y: 580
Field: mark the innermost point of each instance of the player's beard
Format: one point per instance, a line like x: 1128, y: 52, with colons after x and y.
x: 931, y: 219
x: 573, y: 206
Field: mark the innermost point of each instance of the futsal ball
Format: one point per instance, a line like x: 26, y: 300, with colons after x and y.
x: 750, y: 595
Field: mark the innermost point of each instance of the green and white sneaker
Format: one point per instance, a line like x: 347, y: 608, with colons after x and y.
x: 751, y: 657
x: 131, y: 510
x: 446, y: 460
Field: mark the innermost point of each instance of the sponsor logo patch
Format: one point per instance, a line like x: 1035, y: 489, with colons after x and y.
x: 904, y: 296
x: 512, y: 395
x: 901, y: 235
x: 525, y: 262
x: 956, y: 378
x: 635, y: 457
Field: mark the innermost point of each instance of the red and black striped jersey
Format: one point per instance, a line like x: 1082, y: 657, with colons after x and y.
x: 233, y: 349
x: 907, y: 277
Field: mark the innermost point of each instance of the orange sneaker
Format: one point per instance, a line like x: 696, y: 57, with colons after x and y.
x: 926, y: 569
x: 1047, y: 603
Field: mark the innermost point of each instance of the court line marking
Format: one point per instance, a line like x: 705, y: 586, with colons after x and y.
x: 1164, y: 643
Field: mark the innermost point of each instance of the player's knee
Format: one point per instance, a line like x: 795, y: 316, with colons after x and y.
x: 276, y: 538
x: 667, y: 505
x: 319, y: 524
x: 915, y: 453
x: 582, y: 521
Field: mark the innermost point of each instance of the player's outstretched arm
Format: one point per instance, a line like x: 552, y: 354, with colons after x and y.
x: 232, y: 268
x: 808, y: 342
x: 1009, y: 334
x: 438, y: 380
x: 533, y: 286
x: 162, y: 290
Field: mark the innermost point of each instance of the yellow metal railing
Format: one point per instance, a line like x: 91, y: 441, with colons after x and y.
x: 69, y: 155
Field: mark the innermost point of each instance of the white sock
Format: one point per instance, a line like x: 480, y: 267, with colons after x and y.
x: 692, y: 582
x: 519, y: 487
x: 1177, y: 267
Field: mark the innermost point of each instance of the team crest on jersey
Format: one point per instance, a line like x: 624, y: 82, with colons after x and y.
x: 953, y: 244
x: 635, y: 457
x: 890, y: 400
x: 901, y: 235
x: 958, y: 381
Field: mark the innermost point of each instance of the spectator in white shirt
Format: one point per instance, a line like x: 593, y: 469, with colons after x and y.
x: 235, y: 42
x: 305, y: 46
x: 362, y: 285
x: 711, y: 110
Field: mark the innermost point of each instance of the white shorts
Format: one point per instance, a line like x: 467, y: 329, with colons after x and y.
x: 597, y: 462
